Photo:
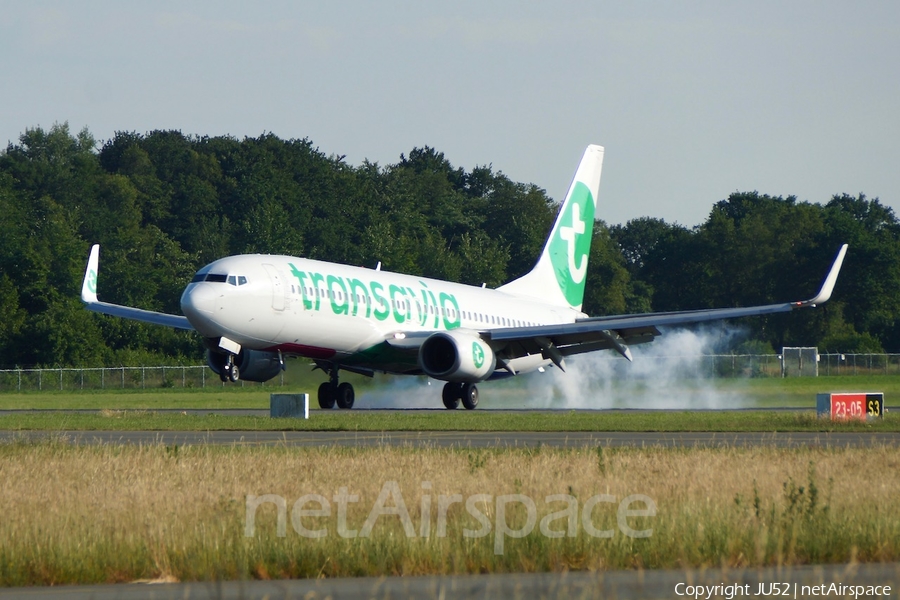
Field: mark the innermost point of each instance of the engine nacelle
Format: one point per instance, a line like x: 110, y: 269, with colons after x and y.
x: 253, y: 365
x: 457, y: 356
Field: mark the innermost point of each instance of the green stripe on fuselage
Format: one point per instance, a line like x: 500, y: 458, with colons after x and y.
x: 384, y: 357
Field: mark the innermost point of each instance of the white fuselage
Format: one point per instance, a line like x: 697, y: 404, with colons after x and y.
x: 336, y: 312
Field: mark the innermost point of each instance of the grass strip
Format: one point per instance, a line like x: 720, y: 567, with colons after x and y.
x: 686, y: 421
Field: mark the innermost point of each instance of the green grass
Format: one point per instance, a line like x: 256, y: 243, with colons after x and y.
x: 726, y: 421
x: 210, y: 398
x: 801, y: 391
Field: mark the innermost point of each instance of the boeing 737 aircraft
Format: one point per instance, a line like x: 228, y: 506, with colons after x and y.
x: 254, y: 310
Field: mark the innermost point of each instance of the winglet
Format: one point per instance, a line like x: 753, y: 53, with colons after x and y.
x: 89, y: 285
x: 828, y: 285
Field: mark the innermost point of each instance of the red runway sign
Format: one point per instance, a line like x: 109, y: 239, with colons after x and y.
x: 847, y: 406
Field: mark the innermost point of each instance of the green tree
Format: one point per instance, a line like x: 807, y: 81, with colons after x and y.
x: 869, y: 285
x: 608, y: 286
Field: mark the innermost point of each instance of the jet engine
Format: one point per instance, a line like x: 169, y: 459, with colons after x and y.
x: 253, y: 365
x: 457, y: 356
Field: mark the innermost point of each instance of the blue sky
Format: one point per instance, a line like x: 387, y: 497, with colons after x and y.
x: 693, y: 100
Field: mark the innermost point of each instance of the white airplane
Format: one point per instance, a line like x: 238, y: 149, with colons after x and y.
x: 254, y: 310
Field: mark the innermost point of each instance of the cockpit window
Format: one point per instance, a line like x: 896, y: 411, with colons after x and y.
x: 219, y: 278
x: 211, y: 277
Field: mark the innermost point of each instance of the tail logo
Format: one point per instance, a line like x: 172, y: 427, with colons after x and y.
x: 569, y: 234
x: 572, y: 242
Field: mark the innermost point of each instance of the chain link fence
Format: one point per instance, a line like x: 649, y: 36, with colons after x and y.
x: 200, y: 376
x: 197, y: 376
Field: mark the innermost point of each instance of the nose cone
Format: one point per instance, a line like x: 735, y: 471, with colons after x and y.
x: 198, y: 302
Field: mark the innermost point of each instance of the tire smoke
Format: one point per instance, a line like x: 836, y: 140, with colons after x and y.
x: 674, y: 372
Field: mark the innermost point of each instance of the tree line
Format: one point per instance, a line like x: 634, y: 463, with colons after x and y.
x: 163, y: 204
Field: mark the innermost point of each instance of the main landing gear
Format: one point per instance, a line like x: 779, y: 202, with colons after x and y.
x: 331, y: 392
x: 454, y: 392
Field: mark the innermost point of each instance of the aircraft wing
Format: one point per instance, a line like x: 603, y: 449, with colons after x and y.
x: 89, y: 297
x: 621, y: 331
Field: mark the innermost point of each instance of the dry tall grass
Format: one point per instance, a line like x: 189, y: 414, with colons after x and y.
x: 120, y: 513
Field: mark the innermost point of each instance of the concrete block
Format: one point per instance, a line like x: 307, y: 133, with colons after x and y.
x: 289, y: 405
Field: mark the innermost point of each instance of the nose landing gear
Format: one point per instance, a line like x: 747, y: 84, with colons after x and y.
x: 230, y: 371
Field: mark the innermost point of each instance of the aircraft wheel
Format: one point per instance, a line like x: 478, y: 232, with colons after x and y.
x: 327, y: 395
x: 470, y: 396
x: 450, y: 395
x: 345, y: 396
x: 234, y: 374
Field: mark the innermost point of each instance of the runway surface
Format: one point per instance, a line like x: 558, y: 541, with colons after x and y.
x: 622, y: 585
x: 469, y: 439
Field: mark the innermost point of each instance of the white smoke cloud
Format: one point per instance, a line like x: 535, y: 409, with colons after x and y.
x: 674, y: 372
